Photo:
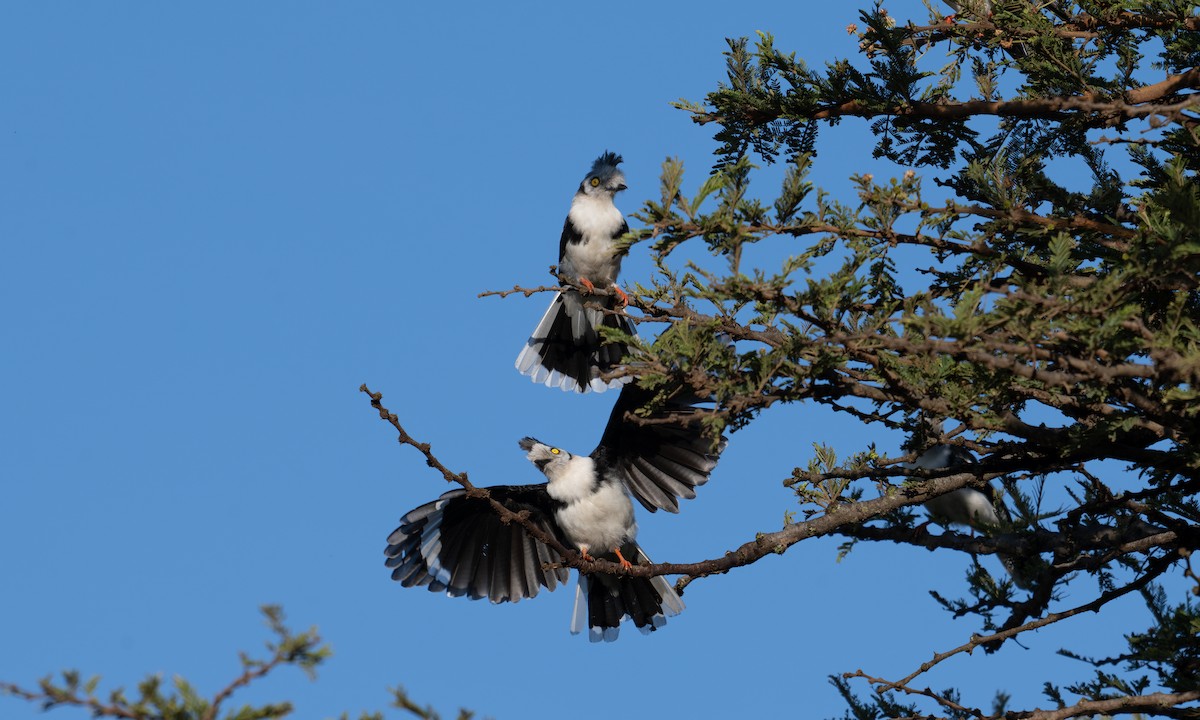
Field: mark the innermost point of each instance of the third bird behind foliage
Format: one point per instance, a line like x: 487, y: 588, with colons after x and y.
x: 979, y: 509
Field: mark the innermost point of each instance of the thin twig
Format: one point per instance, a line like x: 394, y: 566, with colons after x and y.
x: 48, y: 700
x: 1156, y: 569
x: 506, y: 515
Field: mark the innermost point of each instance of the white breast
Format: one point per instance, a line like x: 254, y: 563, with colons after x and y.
x: 597, y: 220
x: 965, y: 506
x: 596, y: 516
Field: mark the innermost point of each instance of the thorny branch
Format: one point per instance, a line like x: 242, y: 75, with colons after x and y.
x: 567, y: 284
x: 838, y: 518
x: 303, y: 650
x: 253, y: 672
x: 1155, y: 570
x: 1101, y: 112
x: 1164, y: 704
x: 765, y: 544
x: 523, y: 290
x: 506, y: 515
x: 1039, y: 253
x: 95, y: 705
x: 1080, y: 27
x: 1145, y: 405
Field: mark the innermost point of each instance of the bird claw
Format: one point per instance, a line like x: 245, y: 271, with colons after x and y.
x: 621, y: 294
x: 625, y: 564
x: 587, y: 284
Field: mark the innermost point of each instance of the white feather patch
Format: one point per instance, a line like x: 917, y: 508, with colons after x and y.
x: 431, y: 545
x: 965, y: 506
x: 597, y: 515
x: 579, y: 615
x: 597, y: 220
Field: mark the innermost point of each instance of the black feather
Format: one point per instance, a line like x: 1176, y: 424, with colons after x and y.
x: 570, y: 235
x: 580, y: 356
x: 612, y: 598
x: 659, y: 461
x: 478, y: 550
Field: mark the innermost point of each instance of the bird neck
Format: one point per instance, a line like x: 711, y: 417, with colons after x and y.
x: 573, y: 480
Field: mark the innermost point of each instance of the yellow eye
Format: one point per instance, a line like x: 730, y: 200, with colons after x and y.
x: 595, y: 182
x: 554, y: 451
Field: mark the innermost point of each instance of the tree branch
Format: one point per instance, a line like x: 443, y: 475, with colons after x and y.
x: 506, y: 515
x: 1156, y: 569
x: 1156, y: 703
x: 1097, y: 113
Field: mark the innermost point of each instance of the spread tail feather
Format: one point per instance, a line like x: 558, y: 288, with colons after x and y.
x: 566, y: 350
x: 603, y: 601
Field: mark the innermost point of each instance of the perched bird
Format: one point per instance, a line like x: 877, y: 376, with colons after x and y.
x: 964, y: 506
x: 976, y: 509
x: 566, y: 349
x: 458, y: 544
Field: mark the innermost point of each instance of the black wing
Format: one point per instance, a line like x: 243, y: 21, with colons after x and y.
x: 569, y: 235
x: 662, y: 461
x: 459, y: 544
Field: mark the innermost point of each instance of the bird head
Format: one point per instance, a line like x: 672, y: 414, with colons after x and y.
x: 541, y: 454
x: 604, y: 178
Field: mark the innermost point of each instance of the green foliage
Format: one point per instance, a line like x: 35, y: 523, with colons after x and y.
x: 1055, y: 321
x: 181, y: 701
x: 1168, y: 649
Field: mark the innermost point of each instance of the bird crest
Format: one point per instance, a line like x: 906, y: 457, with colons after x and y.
x: 606, y: 163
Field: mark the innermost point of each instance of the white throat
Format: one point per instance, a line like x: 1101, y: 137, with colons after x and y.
x: 573, y: 480
x: 595, y: 217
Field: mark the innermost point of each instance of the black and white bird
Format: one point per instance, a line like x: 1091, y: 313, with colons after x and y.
x: 964, y: 506
x: 566, y: 349
x: 459, y: 545
x: 981, y: 510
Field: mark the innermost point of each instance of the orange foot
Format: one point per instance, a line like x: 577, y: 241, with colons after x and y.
x: 624, y: 563
x: 587, y: 284
x: 584, y: 554
x: 621, y: 294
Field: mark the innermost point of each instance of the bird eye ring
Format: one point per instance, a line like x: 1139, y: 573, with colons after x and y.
x: 554, y: 451
x: 595, y: 182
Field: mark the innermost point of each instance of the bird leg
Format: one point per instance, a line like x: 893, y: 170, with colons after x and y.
x: 583, y: 553
x: 624, y: 563
x: 587, y: 284
x: 621, y: 294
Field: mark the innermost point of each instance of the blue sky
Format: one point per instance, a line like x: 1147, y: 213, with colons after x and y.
x: 219, y: 219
